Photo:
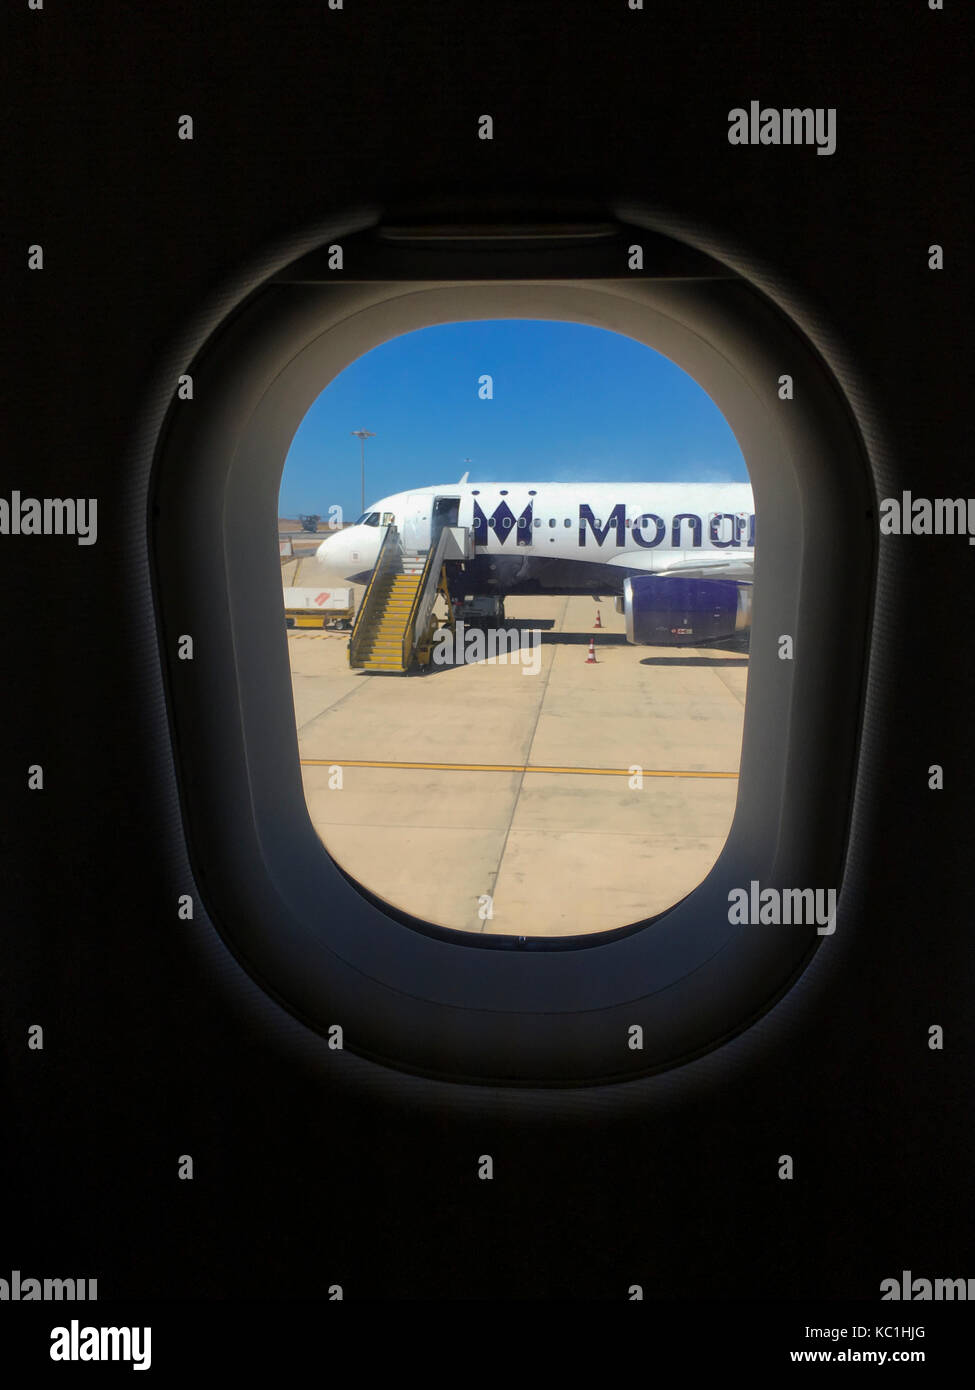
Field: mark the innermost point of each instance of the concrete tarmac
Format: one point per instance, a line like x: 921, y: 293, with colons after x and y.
x: 558, y: 852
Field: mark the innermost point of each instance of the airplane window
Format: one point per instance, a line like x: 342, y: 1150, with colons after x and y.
x: 564, y: 759
x: 415, y: 773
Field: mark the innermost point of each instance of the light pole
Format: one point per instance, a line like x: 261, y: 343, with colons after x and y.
x: 362, y: 436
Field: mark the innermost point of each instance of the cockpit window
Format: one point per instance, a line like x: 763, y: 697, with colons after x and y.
x: 368, y: 519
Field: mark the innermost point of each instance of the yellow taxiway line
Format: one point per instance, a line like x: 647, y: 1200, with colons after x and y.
x: 507, y: 767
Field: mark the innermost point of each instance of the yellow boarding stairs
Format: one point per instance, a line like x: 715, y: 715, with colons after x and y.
x: 396, y: 621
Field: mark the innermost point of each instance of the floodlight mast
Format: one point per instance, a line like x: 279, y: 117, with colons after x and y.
x: 362, y: 436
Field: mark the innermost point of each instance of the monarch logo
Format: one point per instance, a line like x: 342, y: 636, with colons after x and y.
x: 502, y: 523
x: 76, y: 1343
x: 646, y: 531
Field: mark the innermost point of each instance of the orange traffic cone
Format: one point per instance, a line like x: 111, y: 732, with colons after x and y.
x: 599, y: 621
x: 591, y: 658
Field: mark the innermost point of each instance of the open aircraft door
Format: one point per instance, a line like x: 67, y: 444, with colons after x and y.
x: 446, y: 512
x: 465, y: 512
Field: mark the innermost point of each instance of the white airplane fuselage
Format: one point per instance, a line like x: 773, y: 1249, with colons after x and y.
x: 564, y: 538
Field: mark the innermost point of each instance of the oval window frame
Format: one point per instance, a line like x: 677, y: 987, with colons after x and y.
x: 553, y: 1012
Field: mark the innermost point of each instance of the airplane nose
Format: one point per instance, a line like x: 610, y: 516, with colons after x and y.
x: 334, y: 551
x: 349, y: 552
x: 328, y: 552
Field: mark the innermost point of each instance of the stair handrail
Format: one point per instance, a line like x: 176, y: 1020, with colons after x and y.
x: 425, y: 597
x: 389, y: 556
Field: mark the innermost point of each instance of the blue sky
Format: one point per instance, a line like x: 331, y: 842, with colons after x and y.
x: 571, y: 403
